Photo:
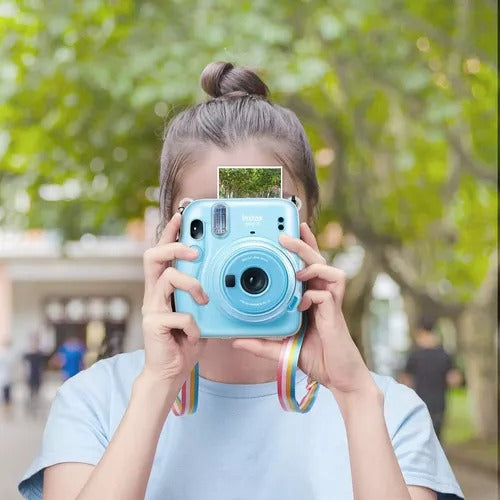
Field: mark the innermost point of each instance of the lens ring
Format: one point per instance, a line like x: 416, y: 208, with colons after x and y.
x: 279, y: 267
x: 254, y: 280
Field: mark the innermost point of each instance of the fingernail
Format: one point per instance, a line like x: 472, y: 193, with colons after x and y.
x: 206, y: 297
x: 193, y: 252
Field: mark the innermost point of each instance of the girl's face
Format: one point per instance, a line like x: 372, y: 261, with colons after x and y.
x: 200, y: 179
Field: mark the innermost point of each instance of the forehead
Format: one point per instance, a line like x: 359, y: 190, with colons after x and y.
x: 199, y: 180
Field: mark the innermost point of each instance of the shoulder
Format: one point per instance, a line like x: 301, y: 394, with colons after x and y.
x: 106, y: 376
x: 400, y: 403
x: 395, y: 392
x: 86, y: 410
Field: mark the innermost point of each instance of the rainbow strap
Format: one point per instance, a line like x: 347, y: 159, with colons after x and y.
x: 287, y: 369
x: 187, y: 401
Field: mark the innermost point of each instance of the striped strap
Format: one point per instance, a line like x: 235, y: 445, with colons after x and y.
x: 186, y: 402
x: 287, y: 369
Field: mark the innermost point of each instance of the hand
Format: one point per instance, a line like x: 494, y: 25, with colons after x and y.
x: 171, y: 340
x: 328, y: 353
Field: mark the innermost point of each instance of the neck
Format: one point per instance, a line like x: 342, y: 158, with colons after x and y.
x: 221, y: 363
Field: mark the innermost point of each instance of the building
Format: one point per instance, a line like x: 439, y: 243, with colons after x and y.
x: 91, y: 289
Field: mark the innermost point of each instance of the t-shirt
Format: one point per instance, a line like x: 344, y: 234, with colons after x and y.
x: 72, y: 353
x: 240, y: 444
x: 428, y: 367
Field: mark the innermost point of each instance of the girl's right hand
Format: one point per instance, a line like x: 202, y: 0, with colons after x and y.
x: 171, y: 340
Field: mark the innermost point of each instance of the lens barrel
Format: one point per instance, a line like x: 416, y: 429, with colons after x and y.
x: 254, y: 280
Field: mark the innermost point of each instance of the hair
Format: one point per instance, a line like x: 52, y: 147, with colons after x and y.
x: 238, y: 110
x: 426, y: 323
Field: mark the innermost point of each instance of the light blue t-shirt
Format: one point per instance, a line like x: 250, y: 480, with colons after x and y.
x: 240, y: 444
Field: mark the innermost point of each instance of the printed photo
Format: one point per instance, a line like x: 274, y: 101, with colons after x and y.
x: 249, y: 182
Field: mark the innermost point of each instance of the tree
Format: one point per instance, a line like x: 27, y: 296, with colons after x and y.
x: 398, y: 98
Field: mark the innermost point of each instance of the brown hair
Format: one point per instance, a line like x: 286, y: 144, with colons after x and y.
x: 239, y: 110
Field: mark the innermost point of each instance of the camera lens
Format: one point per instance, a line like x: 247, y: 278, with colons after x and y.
x: 254, y: 280
x: 196, y: 229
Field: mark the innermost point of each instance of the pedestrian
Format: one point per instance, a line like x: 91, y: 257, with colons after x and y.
x: 430, y: 370
x: 35, y: 361
x: 111, y: 432
x: 69, y: 357
x: 6, y: 376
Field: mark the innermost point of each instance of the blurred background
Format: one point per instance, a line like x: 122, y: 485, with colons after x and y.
x: 399, y: 100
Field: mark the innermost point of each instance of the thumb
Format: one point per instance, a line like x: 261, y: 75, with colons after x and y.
x: 262, y: 348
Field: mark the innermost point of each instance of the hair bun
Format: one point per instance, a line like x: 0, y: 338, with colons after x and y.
x: 223, y: 79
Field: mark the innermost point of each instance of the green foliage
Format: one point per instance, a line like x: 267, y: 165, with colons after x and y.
x: 403, y: 91
x: 249, y: 182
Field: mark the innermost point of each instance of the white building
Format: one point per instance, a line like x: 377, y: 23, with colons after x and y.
x: 91, y: 289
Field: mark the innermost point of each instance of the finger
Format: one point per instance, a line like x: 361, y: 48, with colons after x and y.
x: 335, y: 278
x: 262, y: 348
x: 322, y: 271
x: 317, y: 297
x: 308, y: 236
x: 169, y: 234
x: 157, y: 258
x: 170, y: 280
x: 302, y: 249
x: 167, y: 321
x: 191, y: 340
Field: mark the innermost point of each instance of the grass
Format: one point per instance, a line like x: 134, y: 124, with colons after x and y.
x: 459, y: 437
x: 458, y: 424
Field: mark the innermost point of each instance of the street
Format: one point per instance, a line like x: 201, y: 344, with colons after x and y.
x: 20, y: 437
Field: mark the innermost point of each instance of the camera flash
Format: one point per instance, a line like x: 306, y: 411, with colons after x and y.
x: 219, y: 220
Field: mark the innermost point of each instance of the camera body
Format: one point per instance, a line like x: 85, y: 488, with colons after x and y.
x: 248, y: 275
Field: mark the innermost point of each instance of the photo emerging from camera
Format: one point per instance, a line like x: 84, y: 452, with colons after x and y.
x: 249, y: 182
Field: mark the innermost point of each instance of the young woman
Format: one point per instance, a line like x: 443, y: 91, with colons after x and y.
x: 111, y: 433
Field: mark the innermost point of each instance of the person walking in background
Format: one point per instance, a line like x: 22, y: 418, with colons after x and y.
x: 35, y: 360
x: 430, y: 370
x: 6, y: 375
x: 69, y: 357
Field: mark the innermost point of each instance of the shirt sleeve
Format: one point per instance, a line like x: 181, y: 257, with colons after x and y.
x: 417, y: 448
x: 76, y: 429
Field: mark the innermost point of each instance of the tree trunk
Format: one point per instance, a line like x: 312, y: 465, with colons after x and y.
x: 356, y: 301
x: 478, y: 330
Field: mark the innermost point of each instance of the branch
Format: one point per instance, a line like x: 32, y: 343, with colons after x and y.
x: 408, y: 282
x: 475, y: 167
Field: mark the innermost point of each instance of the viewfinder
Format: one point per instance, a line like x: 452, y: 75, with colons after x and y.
x: 196, y: 229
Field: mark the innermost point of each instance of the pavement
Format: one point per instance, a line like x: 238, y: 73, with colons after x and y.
x: 20, y: 437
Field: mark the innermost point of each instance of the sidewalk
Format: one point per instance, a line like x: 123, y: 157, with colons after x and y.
x: 20, y: 437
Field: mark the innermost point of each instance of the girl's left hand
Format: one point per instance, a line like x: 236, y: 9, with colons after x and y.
x: 328, y: 353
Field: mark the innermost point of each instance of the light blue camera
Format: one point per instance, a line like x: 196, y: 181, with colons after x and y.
x: 248, y: 275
